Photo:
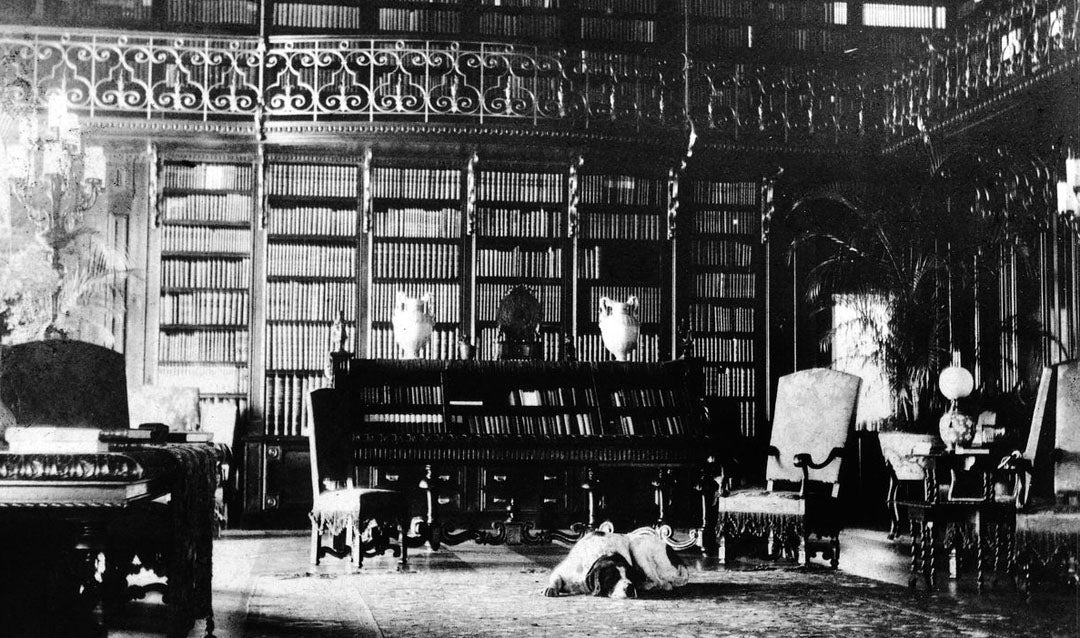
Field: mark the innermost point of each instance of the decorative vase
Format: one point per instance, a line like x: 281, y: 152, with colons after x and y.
x: 413, y: 323
x: 619, y: 326
x: 956, y: 429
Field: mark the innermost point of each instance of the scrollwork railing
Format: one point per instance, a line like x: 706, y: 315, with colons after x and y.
x: 319, y: 79
x: 125, y: 74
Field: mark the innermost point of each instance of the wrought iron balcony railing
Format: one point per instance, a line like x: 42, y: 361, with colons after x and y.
x: 327, y: 79
x: 1008, y: 46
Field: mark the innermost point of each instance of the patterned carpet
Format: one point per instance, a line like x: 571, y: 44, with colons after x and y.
x: 265, y: 589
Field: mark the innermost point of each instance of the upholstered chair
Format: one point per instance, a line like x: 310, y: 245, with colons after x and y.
x: 357, y: 521
x: 1047, y: 474
x: 814, y: 413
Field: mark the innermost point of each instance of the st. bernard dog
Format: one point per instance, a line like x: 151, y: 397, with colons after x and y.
x: 604, y: 563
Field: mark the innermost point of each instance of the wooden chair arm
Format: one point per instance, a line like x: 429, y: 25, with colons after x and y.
x: 804, y: 461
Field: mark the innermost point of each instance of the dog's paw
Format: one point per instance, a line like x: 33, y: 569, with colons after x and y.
x: 550, y: 592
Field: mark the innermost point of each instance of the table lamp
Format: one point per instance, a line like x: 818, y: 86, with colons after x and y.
x: 955, y: 382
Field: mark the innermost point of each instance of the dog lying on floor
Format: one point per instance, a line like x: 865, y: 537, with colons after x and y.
x: 604, y: 563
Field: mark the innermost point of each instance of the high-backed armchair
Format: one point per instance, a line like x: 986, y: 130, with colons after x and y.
x: 814, y: 413
x: 1047, y: 475
x: 341, y: 511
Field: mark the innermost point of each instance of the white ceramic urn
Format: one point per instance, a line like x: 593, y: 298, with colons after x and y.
x: 619, y: 326
x: 413, y: 323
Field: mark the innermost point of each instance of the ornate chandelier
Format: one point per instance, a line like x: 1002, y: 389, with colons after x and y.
x: 55, y: 177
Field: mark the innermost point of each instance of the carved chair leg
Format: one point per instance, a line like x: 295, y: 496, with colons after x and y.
x: 804, y: 549
x: 834, y: 543
x: 356, y: 555
x: 916, y: 553
x: 721, y: 549
x: 894, y: 509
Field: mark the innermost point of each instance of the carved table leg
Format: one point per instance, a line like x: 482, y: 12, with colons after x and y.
x: 708, y: 517
x: 589, y: 485
x: 430, y: 528
x: 929, y: 553
x: 894, y: 509
x: 916, y: 553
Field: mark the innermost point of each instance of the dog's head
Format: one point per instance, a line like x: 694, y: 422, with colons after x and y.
x: 612, y: 576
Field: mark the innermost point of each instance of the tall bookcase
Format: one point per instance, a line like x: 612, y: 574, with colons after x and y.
x: 416, y: 247
x: 724, y: 293
x: 198, y: 334
x: 312, y: 213
x: 622, y: 251
x: 520, y: 239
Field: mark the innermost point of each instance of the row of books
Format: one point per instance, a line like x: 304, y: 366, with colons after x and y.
x: 419, y: 20
x: 720, y: 36
x: 213, y: 11
x: 515, y: 262
x: 623, y: 189
x: 615, y: 64
x: 736, y: 285
x: 488, y: 297
x: 286, y: 260
x: 418, y: 222
x: 716, y: 318
x: 404, y: 423
x: 502, y: 186
x: 652, y: 426
x: 288, y: 404
x: 729, y: 382
x: 209, y: 176
x: 88, y: 10
x: 416, y: 261
x: 572, y: 396
x: 399, y: 395
x: 524, y: 4
x: 310, y: 301
x: 648, y: 299
x: 225, y: 345
x: 312, y: 220
x: 198, y: 239
x: 516, y: 222
x: 312, y: 180
x: 621, y: 30
x: 208, y: 306
x: 726, y: 349
x: 820, y: 40
x: 298, y: 346
x: 730, y: 193
x: 644, y: 398
x: 723, y: 252
x: 445, y: 305
x: 205, y: 273
x: 416, y: 183
x: 208, y: 378
x: 443, y: 344
x: 517, y: 25
x: 318, y: 16
x: 732, y: 222
x: 922, y: 16
x: 227, y: 207
x: 610, y: 7
x: 622, y: 226
x: 487, y: 344
x: 748, y: 418
x: 802, y: 11
x: 590, y: 347
x: 742, y: 9
x: 535, y: 425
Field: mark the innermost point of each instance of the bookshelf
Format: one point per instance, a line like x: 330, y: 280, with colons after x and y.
x: 528, y: 20
x: 507, y: 438
x: 621, y: 251
x: 520, y: 240
x: 311, y: 282
x: 724, y: 292
x: 416, y: 247
x: 419, y: 17
x: 204, y: 277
